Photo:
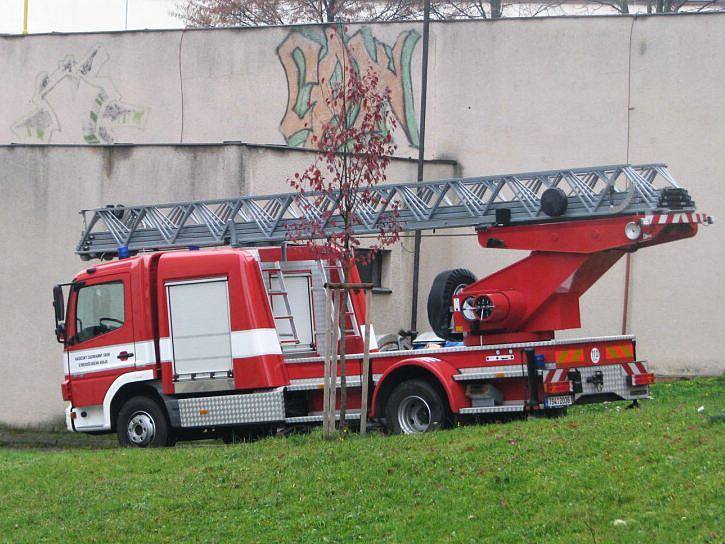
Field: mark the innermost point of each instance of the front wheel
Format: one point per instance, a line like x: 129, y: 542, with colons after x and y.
x: 142, y: 423
x: 415, y: 406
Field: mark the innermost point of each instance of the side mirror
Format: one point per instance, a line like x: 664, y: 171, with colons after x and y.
x: 59, y: 307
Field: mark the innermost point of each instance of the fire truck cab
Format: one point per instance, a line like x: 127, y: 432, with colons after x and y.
x: 172, y: 326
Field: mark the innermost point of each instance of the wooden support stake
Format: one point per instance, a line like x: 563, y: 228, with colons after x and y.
x: 365, y: 378
x: 327, y: 368
x: 332, y: 399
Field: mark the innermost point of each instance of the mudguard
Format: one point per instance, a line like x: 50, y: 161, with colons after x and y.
x: 442, y: 370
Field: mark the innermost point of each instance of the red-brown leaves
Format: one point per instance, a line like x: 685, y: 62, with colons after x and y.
x: 354, y: 150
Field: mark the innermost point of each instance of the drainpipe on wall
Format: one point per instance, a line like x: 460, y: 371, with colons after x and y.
x: 627, y: 283
x: 421, y: 155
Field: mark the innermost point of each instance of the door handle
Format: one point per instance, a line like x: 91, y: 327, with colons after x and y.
x: 125, y: 355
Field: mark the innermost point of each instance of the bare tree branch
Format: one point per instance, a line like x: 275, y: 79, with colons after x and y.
x: 210, y: 13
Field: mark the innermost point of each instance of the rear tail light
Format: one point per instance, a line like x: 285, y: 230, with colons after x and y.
x: 641, y: 379
x: 553, y: 388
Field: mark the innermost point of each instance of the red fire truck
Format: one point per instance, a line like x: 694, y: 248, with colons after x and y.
x: 179, y: 339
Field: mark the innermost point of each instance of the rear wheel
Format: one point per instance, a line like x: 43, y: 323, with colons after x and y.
x: 415, y: 406
x: 142, y: 423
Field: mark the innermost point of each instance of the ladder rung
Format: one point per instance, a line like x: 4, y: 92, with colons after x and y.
x: 283, y: 317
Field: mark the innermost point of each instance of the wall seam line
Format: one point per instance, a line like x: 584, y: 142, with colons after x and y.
x: 181, y: 87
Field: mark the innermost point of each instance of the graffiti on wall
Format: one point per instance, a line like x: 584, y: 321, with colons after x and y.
x: 313, y: 57
x: 77, y: 94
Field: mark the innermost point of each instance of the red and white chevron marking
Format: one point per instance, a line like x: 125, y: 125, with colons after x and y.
x: 674, y: 218
x: 558, y: 375
x: 634, y: 369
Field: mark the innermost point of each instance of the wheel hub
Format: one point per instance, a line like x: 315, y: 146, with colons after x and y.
x: 141, y: 429
x: 414, y: 415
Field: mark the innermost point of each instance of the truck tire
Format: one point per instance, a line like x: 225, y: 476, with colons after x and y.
x: 415, y: 406
x: 142, y: 423
x: 445, y: 285
x: 554, y: 202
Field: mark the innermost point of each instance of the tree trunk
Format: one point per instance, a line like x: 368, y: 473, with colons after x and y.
x: 625, y: 6
x: 496, y: 9
x: 330, y: 10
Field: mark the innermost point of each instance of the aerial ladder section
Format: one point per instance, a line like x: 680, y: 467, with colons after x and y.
x: 576, y: 222
x: 460, y: 202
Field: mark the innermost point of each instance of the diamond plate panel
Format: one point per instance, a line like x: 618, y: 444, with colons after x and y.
x: 232, y: 409
x: 615, y: 381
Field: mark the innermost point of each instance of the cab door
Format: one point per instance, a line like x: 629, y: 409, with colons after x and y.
x: 102, y: 341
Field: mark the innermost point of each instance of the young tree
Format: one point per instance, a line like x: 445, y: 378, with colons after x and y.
x: 354, y: 150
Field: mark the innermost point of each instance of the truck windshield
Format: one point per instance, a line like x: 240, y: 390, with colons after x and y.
x: 99, y: 309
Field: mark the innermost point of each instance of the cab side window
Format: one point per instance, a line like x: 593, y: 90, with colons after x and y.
x: 99, y: 309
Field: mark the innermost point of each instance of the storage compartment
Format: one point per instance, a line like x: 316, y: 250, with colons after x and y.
x: 483, y: 394
x: 199, y: 327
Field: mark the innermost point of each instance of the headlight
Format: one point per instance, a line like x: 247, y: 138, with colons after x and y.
x: 633, y: 230
x: 477, y: 309
x: 468, y: 309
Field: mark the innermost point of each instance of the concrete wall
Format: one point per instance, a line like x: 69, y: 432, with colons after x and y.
x: 44, y: 186
x: 504, y: 96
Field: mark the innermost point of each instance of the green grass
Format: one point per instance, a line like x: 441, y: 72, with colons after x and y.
x: 659, y: 469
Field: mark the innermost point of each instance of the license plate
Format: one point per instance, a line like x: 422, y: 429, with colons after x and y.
x: 561, y: 400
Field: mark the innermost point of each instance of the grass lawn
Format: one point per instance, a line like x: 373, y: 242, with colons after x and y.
x: 601, y: 474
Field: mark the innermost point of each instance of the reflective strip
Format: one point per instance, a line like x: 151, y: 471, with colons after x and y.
x: 249, y: 343
x: 165, y: 351
x: 558, y: 375
x: 85, y: 361
x: 636, y: 368
x: 570, y: 356
x: 681, y: 217
x: 255, y: 343
x: 145, y: 353
x: 621, y: 351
